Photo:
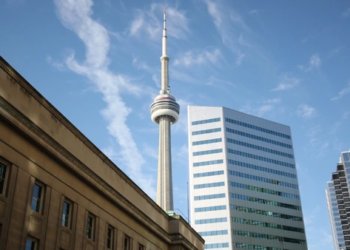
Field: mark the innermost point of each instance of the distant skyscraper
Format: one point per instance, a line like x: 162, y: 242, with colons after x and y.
x: 165, y: 111
x: 338, y: 201
x: 243, y: 182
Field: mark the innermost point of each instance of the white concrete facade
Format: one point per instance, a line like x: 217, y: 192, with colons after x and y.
x: 243, y: 183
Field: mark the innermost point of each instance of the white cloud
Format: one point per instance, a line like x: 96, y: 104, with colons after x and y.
x: 239, y: 59
x: 148, y: 22
x: 342, y: 93
x: 254, y: 12
x: 77, y: 16
x: 306, y: 111
x: 345, y: 13
x: 191, y: 58
x: 264, y: 107
x: 314, y: 63
x: 57, y: 65
x: 287, y: 82
x: 229, y: 24
x: 181, y: 125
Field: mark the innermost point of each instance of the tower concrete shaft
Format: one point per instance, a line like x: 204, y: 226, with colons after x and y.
x: 165, y: 180
x: 165, y: 111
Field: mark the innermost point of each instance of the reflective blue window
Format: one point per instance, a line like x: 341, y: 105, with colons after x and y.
x: 206, y: 141
x: 262, y: 179
x: 267, y: 224
x: 266, y: 237
x: 206, y: 121
x: 209, y: 221
x: 268, y: 170
x: 215, y: 245
x: 265, y: 213
x: 207, y: 209
x: 207, y: 152
x: 268, y: 150
x: 264, y: 190
x: 208, y: 174
x: 257, y: 128
x: 260, y: 158
x: 258, y: 138
x: 209, y: 185
x: 207, y: 131
x: 256, y: 247
x: 263, y: 201
x: 209, y: 196
x: 213, y: 233
x: 206, y: 163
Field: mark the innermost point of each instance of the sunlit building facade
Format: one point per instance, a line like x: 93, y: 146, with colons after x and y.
x: 338, y: 201
x: 244, y: 191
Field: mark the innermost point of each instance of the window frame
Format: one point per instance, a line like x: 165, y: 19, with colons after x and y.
x: 141, y: 247
x: 70, y: 214
x: 126, y: 242
x: 90, y: 234
x: 110, y: 238
x: 32, y: 240
x: 41, y: 198
x: 7, y: 171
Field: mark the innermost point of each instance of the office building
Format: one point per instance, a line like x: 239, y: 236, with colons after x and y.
x: 338, y: 202
x: 58, y: 191
x: 244, y: 191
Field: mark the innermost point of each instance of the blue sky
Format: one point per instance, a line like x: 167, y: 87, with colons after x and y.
x: 98, y: 64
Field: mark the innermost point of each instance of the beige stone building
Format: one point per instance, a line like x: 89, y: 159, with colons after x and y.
x: 59, y: 191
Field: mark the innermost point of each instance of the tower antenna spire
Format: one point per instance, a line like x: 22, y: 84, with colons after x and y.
x: 164, y: 40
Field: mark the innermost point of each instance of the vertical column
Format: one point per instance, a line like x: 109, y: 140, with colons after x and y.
x: 165, y: 187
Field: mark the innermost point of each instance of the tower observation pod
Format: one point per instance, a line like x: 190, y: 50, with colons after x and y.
x: 165, y: 112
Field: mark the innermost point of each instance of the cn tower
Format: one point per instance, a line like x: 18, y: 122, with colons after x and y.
x: 165, y: 112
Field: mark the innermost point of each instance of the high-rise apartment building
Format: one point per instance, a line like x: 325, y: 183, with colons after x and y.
x: 243, y: 182
x: 338, y: 201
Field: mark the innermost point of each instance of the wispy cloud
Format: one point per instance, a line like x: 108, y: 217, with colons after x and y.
x: 306, y: 111
x: 229, y: 25
x: 287, y: 82
x: 77, y: 16
x: 147, y: 22
x: 345, y: 13
x: 342, y: 93
x: 254, y: 12
x: 57, y: 65
x: 263, y: 108
x: 307, y: 38
x: 191, y: 58
x: 335, y: 51
x: 314, y: 63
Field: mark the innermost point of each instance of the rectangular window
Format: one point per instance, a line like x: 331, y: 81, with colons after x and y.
x: 2, y: 177
x: 31, y: 244
x: 141, y: 247
x: 67, y: 214
x: 37, y: 198
x: 110, y: 234
x: 206, y: 121
x: 90, y: 227
x: 126, y: 242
